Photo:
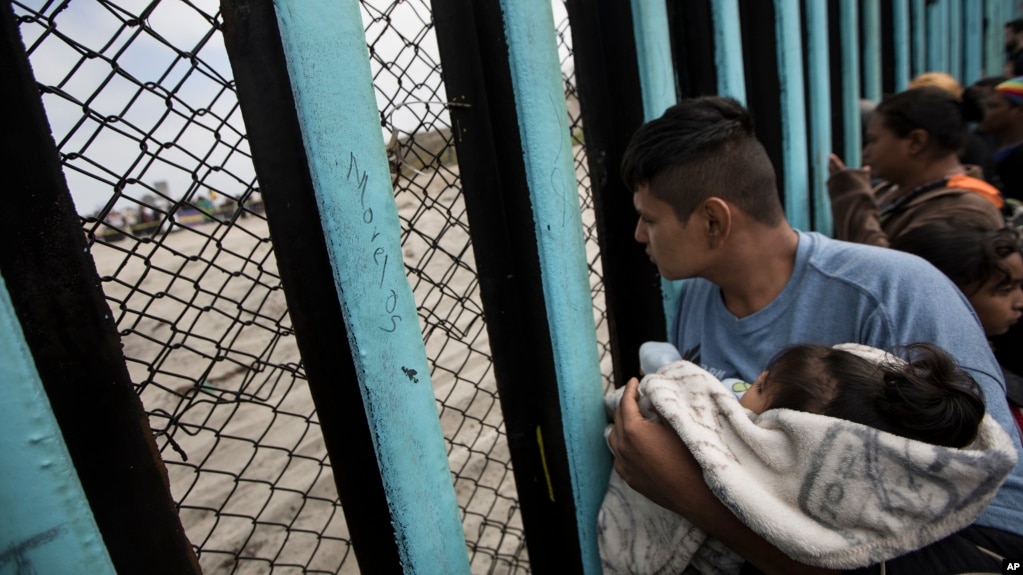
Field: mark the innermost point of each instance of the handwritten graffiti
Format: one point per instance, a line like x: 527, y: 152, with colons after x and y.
x: 18, y: 552
x: 381, y: 259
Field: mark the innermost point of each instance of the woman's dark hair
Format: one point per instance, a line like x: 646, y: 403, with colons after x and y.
x: 930, y: 109
x: 968, y: 254
x: 926, y: 397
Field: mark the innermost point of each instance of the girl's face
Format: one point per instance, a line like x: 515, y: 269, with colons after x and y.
x: 999, y: 114
x: 999, y: 301
x: 754, y: 398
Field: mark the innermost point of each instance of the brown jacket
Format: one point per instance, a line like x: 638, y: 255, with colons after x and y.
x: 868, y: 216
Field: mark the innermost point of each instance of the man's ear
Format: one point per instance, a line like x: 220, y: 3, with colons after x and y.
x: 717, y: 220
x: 917, y: 140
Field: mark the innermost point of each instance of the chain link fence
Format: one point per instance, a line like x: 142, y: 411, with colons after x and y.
x: 143, y: 108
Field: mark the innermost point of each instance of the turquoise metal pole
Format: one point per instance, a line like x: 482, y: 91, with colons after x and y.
x: 849, y: 25
x: 788, y: 31
x: 818, y: 75
x: 919, y: 31
x: 994, y: 42
x: 872, y: 49
x: 47, y: 524
x: 550, y: 172
x: 902, y: 39
x: 657, y: 83
x: 728, y: 49
x: 325, y: 49
x: 954, y: 26
x: 937, y: 37
x: 653, y: 51
x: 973, y: 42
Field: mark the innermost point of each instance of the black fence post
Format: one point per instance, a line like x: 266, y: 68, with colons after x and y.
x: 253, y: 44
x: 70, y: 331
x: 838, y: 83
x: 763, y: 85
x: 607, y: 75
x: 693, y: 47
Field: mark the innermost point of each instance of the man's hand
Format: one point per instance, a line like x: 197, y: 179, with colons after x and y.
x: 649, y: 456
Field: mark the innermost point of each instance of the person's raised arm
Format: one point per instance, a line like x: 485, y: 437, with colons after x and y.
x: 854, y: 210
x: 653, y: 460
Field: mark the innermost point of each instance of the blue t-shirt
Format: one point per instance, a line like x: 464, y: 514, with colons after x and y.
x: 841, y: 292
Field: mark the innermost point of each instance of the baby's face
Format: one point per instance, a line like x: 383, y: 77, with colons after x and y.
x: 754, y: 399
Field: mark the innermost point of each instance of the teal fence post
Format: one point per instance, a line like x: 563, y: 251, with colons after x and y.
x: 653, y: 53
x: 728, y: 49
x: 325, y: 49
x: 919, y: 31
x: 937, y: 36
x: 788, y: 31
x: 550, y: 172
x: 992, y: 42
x: 902, y: 41
x: 850, y: 24
x: 872, y: 49
x: 657, y: 84
x: 47, y: 524
x: 818, y: 75
x: 954, y: 27
x: 973, y: 42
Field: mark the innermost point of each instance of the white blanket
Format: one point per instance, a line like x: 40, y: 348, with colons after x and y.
x: 827, y: 492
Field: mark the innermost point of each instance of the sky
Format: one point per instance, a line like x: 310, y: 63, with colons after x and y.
x: 182, y: 113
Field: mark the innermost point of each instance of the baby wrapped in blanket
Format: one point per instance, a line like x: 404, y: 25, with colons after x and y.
x: 841, y: 457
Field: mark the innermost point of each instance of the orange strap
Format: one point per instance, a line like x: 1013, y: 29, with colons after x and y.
x: 964, y: 182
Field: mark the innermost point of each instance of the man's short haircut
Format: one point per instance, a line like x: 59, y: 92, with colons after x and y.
x: 930, y: 109
x: 1016, y: 25
x: 701, y: 148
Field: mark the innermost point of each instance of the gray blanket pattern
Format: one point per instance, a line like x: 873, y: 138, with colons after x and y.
x: 827, y: 492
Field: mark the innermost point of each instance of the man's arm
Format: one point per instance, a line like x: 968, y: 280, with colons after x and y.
x: 654, y: 461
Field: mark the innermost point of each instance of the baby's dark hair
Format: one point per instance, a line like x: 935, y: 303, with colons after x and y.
x: 927, y: 397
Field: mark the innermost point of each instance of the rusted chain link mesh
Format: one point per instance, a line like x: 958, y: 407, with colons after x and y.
x: 143, y: 108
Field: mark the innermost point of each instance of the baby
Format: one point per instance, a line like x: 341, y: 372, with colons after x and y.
x: 842, y: 457
x: 924, y: 397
